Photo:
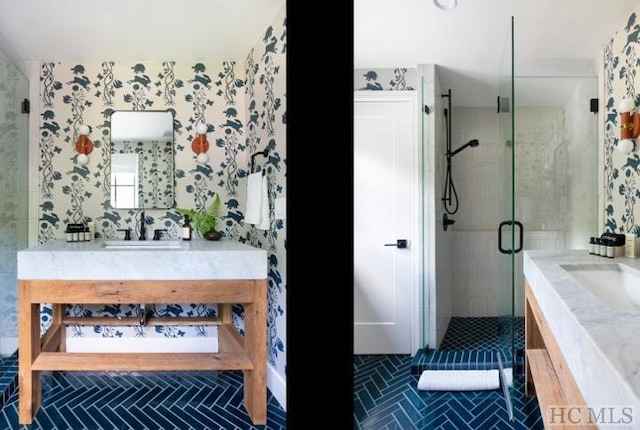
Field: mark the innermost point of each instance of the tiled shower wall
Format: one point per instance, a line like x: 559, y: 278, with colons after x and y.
x: 556, y: 192
x: 475, y: 286
x: 14, y: 88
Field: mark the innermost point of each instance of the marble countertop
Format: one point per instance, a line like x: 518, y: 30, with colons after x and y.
x: 194, y: 260
x: 600, y: 345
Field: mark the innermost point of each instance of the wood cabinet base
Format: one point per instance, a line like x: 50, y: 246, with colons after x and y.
x: 547, y: 375
x: 236, y: 352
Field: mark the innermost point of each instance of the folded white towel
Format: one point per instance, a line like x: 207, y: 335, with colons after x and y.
x: 258, y: 201
x: 459, y: 380
x: 265, y: 221
x: 254, y: 198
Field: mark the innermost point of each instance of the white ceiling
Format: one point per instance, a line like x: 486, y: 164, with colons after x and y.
x: 89, y: 30
x: 470, y: 42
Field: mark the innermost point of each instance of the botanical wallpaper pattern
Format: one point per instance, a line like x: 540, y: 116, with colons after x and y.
x: 155, y: 170
x: 243, y: 107
x: 398, y: 79
x: 622, y: 192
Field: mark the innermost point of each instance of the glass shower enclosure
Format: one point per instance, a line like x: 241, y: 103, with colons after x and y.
x: 510, y: 230
x: 14, y: 144
x: 548, y: 195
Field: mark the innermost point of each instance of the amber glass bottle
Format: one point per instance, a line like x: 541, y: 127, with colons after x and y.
x: 186, y: 229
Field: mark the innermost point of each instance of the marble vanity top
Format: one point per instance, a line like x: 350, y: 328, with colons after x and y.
x: 600, y: 345
x: 193, y: 260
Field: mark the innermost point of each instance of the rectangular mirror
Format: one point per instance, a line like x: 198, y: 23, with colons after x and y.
x: 142, y: 160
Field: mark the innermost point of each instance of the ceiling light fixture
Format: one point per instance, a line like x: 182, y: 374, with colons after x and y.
x: 446, y: 4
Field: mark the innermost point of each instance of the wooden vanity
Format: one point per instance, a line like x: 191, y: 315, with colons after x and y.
x: 581, y: 355
x: 224, y: 273
x: 547, y: 374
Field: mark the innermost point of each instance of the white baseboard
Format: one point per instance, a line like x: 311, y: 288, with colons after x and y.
x: 278, y: 386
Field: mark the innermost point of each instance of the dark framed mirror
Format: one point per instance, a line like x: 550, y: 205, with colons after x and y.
x: 142, y: 160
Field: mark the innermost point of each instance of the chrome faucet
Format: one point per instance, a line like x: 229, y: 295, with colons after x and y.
x: 143, y: 227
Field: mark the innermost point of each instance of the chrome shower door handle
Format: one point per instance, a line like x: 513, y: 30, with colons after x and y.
x: 400, y: 243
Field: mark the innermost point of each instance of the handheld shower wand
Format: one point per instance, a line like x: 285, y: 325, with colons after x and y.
x: 472, y: 143
x: 450, y: 198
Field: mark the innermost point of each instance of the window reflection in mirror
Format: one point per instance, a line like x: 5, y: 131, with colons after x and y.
x: 142, y: 160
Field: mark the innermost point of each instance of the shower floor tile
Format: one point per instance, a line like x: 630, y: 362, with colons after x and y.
x: 479, y: 333
x: 472, y: 343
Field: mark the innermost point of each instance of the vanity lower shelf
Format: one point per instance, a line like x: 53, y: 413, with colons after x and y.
x: 122, y: 361
x: 151, y: 321
x: 236, y: 351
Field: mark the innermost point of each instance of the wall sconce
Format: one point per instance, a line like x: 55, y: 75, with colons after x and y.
x: 200, y: 145
x: 629, y: 126
x: 84, y: 145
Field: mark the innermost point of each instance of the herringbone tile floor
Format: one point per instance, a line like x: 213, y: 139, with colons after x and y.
x: 386, y: 396
x: 142, y: 401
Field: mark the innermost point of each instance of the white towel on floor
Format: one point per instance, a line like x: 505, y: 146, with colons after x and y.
x: 258, y: 201
x: 459, y: 380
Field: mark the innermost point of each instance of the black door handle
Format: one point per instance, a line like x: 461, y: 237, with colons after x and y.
x: 521, y: 230
x: 401, y: 243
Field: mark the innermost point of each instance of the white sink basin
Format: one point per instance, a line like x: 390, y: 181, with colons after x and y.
x: 616, y: 285
x: 142, y: 244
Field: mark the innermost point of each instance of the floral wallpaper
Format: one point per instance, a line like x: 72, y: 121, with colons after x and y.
x: 621, y: 171
x: 398, y: 79
x: 243, y: 106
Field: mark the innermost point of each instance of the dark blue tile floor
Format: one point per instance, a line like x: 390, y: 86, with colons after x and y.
x: 386, y: 396
x: 142, y: 400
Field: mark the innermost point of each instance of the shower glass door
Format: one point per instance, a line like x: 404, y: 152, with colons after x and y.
x: 509, y: 229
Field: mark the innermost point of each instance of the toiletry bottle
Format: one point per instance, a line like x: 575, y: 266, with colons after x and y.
x: 186, y: 229
x: 92, y: 230
x: 592, y: 245
x: 630, y: 245
x: 610, y: 249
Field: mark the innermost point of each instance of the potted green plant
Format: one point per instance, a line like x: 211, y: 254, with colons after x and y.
x: 205, y: 221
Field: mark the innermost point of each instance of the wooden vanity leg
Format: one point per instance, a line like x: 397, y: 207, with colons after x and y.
x: 533, y: 338
x: 255, y: 381
x: 58, y: 310
x: 29, y: 388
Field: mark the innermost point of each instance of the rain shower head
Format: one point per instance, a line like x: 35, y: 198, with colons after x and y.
x: 472, y: 143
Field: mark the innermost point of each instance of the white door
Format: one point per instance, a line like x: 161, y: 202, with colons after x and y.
x: 385, y: 205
